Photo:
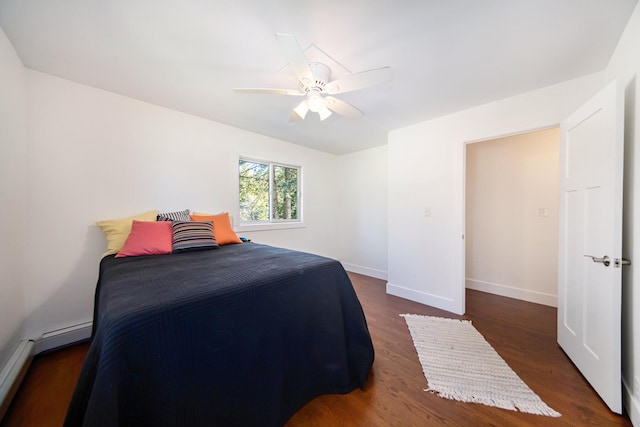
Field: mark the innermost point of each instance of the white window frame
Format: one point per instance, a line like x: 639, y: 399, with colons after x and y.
x: 270, y: 224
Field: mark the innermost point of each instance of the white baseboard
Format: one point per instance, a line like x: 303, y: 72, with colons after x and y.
x: 13, y: 372
x: 422, y: 297
x: 63, y: 336
x: 631, y: 404
x: 371, y: 272
x: 511, y: 292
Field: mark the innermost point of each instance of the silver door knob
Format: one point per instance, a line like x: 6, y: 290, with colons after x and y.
x: 604, y: 260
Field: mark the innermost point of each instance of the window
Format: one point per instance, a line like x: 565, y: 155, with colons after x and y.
x: 268, y: 192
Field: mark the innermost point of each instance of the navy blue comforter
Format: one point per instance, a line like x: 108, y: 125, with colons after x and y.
x: 243, y: 335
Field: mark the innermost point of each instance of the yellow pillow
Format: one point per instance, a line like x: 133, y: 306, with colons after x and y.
x: 117, y: 230
x: 207, y: 214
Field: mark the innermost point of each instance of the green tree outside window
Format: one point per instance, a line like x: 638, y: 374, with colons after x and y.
x: 269, y: 192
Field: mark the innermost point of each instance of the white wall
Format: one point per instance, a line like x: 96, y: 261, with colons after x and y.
x: 96, y: 155
x: 511, y: 248
x: 426, y: 170
x: 625, y: 68
x: 362, y: 224
x: 13, y: 127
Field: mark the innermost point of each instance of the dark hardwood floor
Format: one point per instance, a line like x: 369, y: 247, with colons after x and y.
x: 45, y: 392
x: 524, y: 334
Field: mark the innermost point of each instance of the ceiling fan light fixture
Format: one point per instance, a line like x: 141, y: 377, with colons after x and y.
x: 315, y: 101
x: 324, y: 113
x: 302, y: 109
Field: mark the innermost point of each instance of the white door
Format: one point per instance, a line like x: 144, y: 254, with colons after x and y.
x: 589, y: 289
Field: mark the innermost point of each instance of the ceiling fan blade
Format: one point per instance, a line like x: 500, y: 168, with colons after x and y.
x: 359, y: 81
x: 269, y: 91
x: 342, y: 108
x: 295, y: 56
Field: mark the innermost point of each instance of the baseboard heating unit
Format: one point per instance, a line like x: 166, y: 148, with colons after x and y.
x: 13, y: 373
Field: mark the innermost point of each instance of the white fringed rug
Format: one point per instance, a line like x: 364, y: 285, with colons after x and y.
x: 460, y: 364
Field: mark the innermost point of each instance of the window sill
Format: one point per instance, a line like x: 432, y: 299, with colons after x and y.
x: 269, y: 226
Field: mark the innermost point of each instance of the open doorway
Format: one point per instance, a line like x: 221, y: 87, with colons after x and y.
x: 511, y: 226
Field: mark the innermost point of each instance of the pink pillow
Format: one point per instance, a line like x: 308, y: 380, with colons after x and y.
x: 148, y: 238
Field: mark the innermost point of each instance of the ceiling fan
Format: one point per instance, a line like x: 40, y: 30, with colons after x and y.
x: 314, y: 82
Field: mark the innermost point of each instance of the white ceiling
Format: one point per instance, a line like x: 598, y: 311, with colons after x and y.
x: 446, y: 55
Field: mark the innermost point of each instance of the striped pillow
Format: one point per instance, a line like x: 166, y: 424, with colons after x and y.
x: 174, y: 216
x: 193, y: 236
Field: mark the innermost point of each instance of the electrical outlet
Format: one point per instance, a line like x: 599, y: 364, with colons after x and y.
x: 427, y: 211
x: 636, y: 385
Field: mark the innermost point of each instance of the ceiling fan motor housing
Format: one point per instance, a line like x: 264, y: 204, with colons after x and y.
x: 321, y: 76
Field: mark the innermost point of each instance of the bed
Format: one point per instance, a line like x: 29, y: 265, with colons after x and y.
x: 243, y: 335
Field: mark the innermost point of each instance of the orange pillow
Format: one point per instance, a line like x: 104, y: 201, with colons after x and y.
x: 222, y: 230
